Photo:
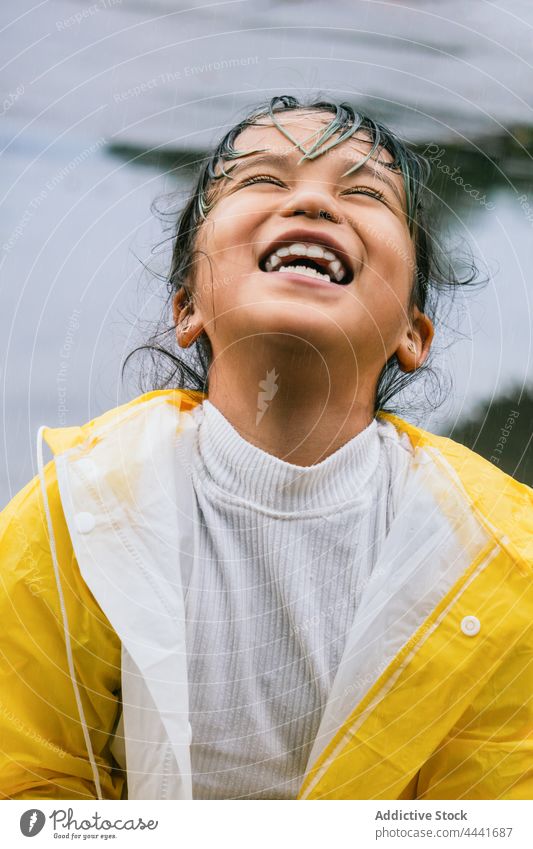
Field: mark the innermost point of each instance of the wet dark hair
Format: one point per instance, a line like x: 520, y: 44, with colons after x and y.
x: 168, y: 366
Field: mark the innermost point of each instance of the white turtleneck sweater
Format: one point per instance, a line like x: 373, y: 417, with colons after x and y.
x: 283, y: 554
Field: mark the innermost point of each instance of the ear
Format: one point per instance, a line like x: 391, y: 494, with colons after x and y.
x: 188, y: 322
x: 414, y: 347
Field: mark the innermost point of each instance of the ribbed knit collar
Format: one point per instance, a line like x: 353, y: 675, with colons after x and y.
x: 244, y: 471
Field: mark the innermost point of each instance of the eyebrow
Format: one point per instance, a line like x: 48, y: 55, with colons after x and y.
x: 282, y: 160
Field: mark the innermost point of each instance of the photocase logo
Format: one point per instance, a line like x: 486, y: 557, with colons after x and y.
x: 32, y: 822
x: 269, y: 389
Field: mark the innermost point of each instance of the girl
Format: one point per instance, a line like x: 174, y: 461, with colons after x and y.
x: 259, y: 584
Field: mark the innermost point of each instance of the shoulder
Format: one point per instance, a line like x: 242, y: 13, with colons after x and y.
x: 503, y: 504
x: 63, y: 438
x: 27, y: 565
x: 31, y: 565
x: 24, y: 538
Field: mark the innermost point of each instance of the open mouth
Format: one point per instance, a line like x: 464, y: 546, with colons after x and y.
x: 310, y: 259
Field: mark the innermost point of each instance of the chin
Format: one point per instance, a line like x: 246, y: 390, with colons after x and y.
x: 291, y: 321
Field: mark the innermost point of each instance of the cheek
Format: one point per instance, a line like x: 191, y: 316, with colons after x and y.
x: 234, y: 224
x: 383, y: 287
x: 216, y: 263
x: 225, y: 246
x: 390, y: 258
x: 386, y: 302
x: 218, y: 280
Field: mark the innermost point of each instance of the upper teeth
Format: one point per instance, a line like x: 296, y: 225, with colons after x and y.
x: 298, y: 249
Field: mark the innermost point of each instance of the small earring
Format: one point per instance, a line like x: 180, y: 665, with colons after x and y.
x: 411, y: 347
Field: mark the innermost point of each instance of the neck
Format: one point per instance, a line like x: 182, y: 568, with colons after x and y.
x: 296, y: 413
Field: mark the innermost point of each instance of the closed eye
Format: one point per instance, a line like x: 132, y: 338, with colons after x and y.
x: 365, y: 190
x: 262, y: 178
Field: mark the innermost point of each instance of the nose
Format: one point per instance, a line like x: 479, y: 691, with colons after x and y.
x: 312, y: 202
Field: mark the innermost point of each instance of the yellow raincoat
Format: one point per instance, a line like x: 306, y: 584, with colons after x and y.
x: 433, y: 695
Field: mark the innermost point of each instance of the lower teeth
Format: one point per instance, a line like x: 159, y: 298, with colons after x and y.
x: 309, y: 272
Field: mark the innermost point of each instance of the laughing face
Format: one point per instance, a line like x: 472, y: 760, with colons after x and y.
x: 295, y: 256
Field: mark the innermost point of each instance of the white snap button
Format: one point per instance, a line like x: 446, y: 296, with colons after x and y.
x: 470, y: 625
x: 189, y: 732
x: 85, y: 522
